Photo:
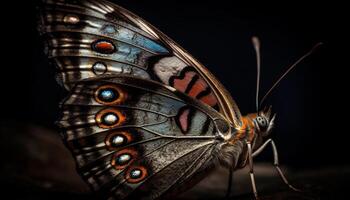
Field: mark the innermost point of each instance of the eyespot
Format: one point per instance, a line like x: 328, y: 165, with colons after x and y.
x: 118, y: 139
x: 136, y: 174
x: 110, y: 118
x: 110, y: 95
x: 123, y: 158
x: 99, y: 68
x: 104, y: 47
x: 71, y: 19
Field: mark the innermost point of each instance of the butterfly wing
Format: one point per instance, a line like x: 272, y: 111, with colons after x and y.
x: 127, y: 136
x: 89, y: 38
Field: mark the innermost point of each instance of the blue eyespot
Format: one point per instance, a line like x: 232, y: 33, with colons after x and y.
x: 108, y: 95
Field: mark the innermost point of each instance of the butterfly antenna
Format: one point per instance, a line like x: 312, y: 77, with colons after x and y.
x: 290, y: 69
x: 256, y: 44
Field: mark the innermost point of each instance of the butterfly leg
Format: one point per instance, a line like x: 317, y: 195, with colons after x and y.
x: 251, y: 170
x: 275, y: 162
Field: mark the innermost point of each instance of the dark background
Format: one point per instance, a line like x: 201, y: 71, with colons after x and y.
x: 218, y: 33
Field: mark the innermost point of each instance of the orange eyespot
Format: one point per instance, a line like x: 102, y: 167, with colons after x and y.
x: 110, y: 95
x: 136, y: 174
x: 110, y: 118
x: 103, y: 46
x: 123, y: 158
x: 118, y: 139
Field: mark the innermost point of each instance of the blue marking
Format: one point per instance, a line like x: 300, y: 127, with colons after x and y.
x: 110, y: 29
x: 135, y: 38
x: 130, y: 54
x: 149, y: 44
x: 107, y: 94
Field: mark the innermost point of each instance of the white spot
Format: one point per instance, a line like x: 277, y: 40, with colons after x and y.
x: 110, y: 119
x: 168, y: 67
x: 71, y: 19
x: 124, y: 158
x: 135, y: 173
x: 99, y: 68
x: 118, y: 140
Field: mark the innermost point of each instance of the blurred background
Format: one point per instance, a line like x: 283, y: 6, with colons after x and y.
x: 36, y: 165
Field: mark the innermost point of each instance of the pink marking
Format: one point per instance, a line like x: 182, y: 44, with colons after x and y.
x: 183, y: 118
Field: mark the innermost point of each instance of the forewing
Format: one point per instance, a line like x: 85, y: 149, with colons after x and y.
x: 89, y: 38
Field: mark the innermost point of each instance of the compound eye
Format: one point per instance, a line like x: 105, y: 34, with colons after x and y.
x: 261, y: 121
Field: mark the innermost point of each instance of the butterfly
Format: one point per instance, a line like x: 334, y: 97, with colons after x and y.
x: 143, y: 118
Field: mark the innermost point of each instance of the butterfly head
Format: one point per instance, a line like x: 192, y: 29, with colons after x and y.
x: 264, y: 122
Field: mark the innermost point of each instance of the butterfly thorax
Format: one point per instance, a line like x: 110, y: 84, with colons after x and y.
x: 254, y: 128
x: 247, y: 131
